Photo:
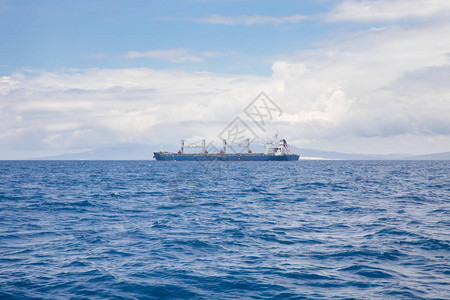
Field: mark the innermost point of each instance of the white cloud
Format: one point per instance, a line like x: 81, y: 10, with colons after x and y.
x: 325, y: 104
x: 348, y: 11
x: 251, y: 20
x: 373, y: 87
x: 46, y: 113
x: 174, y: 55
x: 7, y: 84
x: 387, y: 10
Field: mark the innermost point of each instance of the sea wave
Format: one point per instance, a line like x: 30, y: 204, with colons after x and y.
x: 286, y: 230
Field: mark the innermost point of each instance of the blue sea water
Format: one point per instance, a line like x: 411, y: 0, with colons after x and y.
x: 240, y: 230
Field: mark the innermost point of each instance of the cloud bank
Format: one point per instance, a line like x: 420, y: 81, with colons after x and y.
x: 342, y: 98
x: 77, y: 110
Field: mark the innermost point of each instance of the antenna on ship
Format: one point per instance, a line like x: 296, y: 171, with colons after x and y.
x: 224, y: 146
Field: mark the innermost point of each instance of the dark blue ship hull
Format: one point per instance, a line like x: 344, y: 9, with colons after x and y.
x: 167, y: 156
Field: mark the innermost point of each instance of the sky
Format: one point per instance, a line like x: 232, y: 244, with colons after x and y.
x: 347, y: 75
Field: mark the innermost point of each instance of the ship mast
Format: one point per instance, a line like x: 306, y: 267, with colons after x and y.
x: 245, y: 143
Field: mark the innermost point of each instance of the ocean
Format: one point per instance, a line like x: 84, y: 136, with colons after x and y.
x: 224, y: 230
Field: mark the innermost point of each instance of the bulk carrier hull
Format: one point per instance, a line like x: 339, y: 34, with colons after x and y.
x: 167, y: 156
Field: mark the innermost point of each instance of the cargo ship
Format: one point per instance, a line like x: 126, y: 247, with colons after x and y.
x: 276, y: 150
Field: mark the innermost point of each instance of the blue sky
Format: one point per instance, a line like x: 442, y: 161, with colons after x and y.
x: 81, y: 34
x: 368, y: 76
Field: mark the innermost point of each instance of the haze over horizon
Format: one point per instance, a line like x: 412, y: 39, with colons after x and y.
x: 349, y: 76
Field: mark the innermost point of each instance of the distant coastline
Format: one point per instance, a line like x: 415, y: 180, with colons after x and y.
x: 146, y: 153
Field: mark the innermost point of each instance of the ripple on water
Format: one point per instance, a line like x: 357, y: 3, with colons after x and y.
x: 301, y: 230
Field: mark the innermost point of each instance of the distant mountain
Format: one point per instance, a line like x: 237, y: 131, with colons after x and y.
x: 109, y: 153
x: 145, y: 152
x: 432, y: 156
x: 319, y: 154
